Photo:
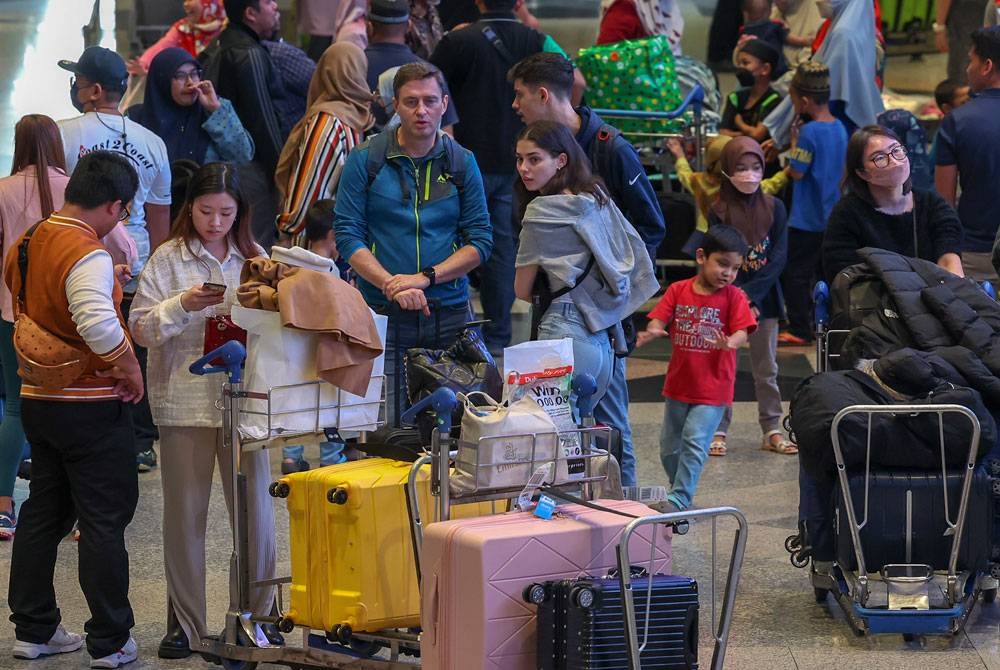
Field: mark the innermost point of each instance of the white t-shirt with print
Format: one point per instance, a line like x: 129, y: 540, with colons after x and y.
x: 96, y: 131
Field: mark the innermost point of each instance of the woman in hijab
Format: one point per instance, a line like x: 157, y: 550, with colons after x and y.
x: 203, y: 21
x: 183, y: 109
x: 763, y: 221
x: 337, y: 115
x: 850, y: 49
x: 635, y: 19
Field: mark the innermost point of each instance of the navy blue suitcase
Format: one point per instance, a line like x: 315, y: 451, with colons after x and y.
x: 918, y: 495
x: 581, y: 624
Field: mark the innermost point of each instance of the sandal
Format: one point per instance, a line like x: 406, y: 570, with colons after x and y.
x: 8, y: 524
x: 718, y: 446
x: 780, y: 446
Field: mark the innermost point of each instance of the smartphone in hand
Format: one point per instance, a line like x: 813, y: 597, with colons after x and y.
x: 214, y: 288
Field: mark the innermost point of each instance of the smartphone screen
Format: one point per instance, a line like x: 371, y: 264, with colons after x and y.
x: 215, y: 288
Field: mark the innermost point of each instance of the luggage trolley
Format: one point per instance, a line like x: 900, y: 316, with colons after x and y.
x: 242, y: 645
x: 908, y: 607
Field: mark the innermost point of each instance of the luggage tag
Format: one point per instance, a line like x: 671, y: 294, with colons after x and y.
x: 540, y: 476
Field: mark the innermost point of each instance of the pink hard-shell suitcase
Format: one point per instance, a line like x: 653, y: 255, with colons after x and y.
x: 474, y: 572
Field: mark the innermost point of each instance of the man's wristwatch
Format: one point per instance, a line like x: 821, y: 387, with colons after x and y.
x: 938, y: 27
x: 431, y: 275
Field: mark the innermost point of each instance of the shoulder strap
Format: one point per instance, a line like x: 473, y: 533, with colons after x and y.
x: 494, y: 39
x: 603, y: 148
x: 566, y: 289
x: 378, y: 145
x: 454, y: 162
x: 22, y: 262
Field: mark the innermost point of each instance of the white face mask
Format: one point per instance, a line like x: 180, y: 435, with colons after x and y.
x: 746, y: 181
x: 825, y: 8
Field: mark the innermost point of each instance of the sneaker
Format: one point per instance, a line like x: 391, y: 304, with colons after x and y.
x: 290, y: 465
x: 125, y: 655
x: 145, y: 460
x: 664, y: 506
x: 24, y: 469
x: 787, y: 338
x: 8, y: 525
x: 61, y: 642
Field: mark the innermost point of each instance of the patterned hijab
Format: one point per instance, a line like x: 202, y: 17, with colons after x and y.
x: 339, y: 87
x: 658, y: 17
x: 196, y: 36
x: 751, y: 214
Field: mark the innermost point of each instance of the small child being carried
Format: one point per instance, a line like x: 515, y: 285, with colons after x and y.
x: 708, y: 320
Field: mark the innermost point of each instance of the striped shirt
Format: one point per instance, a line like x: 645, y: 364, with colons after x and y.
x: 317, y: 174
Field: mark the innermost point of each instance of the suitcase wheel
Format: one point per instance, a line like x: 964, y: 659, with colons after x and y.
x: 278, y: 489
x: 583, y: 597
x: 341, y: 633
x: 337, y: 496
x: 534, y: 594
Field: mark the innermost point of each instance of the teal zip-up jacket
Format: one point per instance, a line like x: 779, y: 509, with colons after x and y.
x: 412, y: 216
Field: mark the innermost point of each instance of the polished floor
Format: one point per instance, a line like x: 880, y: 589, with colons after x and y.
x: 776, y: 625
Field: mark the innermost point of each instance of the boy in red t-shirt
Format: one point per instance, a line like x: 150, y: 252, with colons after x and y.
x: 709, y: 319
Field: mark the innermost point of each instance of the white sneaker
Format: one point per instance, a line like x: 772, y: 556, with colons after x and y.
x: 61, y: 642
x: 126, y: 654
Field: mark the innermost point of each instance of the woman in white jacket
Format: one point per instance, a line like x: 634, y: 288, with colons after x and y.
x: 210, y: 240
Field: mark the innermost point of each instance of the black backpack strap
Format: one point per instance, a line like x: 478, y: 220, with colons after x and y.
x: 22, y: 262
x: 566, y: 289
x: 378, y: 145
x: 494, y: 39
x: 454, y: 158
x: 603, y: 148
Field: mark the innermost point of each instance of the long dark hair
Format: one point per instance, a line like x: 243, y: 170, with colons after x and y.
x: 857, y: 147
x: 216, y: 178
x: 576, y: 177
x: 37, y: 142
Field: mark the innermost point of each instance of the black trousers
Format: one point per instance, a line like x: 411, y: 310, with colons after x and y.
x: 143, y: 428
x: 803, y: 270
x: 83, y: 467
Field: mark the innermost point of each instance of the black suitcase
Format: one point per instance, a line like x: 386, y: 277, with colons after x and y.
x: 581, y: 624
x: 896, y: 496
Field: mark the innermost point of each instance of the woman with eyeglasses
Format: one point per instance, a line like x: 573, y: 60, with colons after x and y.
x: 880, y: 209
x: 184, y: 110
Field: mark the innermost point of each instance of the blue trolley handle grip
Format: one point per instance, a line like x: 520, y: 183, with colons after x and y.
x: 821, y: 300
x: 585, y: 386
x: 232, y: 353
x: 443, y: 401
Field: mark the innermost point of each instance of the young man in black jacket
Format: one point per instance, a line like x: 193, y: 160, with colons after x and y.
x: 242, y: 71
x: 543, y: 85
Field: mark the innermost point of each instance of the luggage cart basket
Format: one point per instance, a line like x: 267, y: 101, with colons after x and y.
x: 637, y: 633
x: 242, y: 644
x: 572, y: 453
x: 691, y: 107
x: 909, y: 608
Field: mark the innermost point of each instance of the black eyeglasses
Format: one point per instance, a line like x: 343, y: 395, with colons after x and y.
x: 881, y: 160
x: 190, y: 75
x: 124, y: 214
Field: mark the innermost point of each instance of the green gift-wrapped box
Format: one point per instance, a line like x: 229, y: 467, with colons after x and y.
x: 633, y: 75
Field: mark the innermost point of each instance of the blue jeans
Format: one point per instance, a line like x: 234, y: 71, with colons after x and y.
x: 592, y: 352
x: 612, y: 410
x: 496, y: 275
x: 684, y: 439
x: 12, y: 443
x: 407, y: 330
x: 330, y: 453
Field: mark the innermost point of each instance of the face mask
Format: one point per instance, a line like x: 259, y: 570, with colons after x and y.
x: 745, y: 77
x: 73, y: 90
x: 825, y: 8
x: 891, y: 176
x: 746, y: 181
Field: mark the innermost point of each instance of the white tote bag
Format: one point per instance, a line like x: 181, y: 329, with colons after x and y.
x: 283, y: 360
x: 501, y: 445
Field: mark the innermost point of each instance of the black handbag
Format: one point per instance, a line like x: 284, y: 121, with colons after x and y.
x: 464, y: 367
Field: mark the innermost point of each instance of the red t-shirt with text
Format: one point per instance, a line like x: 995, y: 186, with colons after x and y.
x: 698, y: 373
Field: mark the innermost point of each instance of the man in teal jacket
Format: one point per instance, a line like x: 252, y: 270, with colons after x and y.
x: 411, y: 220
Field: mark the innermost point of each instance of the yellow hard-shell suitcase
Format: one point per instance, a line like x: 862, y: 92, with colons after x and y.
x: 351, y: 546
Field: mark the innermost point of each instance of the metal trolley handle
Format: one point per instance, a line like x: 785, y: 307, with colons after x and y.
x: 625, y: 574
x: 232, y: 353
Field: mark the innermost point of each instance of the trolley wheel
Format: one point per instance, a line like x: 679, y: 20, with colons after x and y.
x: 337, y: 496
x: 793, y: 543
x: 583, y: 597
x: 534, y: 594
x: 819, y: 593
x: 798, y: 559
x: 681, y: 527
x: 989, y: 596
x: 233, y: 664
x: 278, y: 489
x: 286, y: 625
x: 367, y: 648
